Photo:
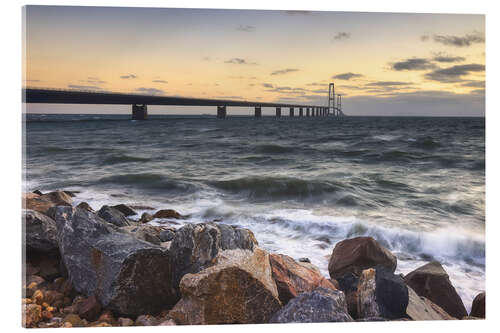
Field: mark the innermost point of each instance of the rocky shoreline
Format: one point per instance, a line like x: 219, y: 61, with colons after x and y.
x: 86, y: 268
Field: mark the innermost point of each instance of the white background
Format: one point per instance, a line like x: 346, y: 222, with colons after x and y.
x: 11, y: 139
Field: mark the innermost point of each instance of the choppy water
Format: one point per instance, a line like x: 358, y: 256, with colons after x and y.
x: 415, y: 184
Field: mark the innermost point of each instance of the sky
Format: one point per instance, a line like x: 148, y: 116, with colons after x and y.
x: 382, y: 63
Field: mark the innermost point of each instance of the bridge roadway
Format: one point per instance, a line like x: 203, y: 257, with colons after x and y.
x: 140, y: 102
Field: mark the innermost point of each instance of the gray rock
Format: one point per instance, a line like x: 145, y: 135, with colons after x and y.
x: 125, y: 210
x: 127, y: 275
x: 143, y: 232
x: 320, y: 305
x: 195, y: 246
x: 40, y: 231
x: 167, y: 235
x: 113, y: 216
x: 145, y: 217
x: 420, y: 308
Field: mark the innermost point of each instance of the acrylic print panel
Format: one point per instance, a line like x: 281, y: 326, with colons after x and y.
x: 198, y: 166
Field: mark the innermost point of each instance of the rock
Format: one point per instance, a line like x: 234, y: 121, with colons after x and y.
x: 293, y: 278
x: 305, y: 260
x: 471, y: 318
x: 432, y: 282
x: 381, y: 294
x: 54, y: 297
x: 145, y: 217
x: 127, y: 275
x: 167, y: 235
x: 168, y: 322
x: 32, y: 314
x: 89, y: 308
x: 420, y: 308
x: 85, y: 206
x: 71, y: 193
x: 103, y: 324
x: 37, y: 297
x: 42, y: 203
x: 107, y: 317
x: 195, y: 247
x: 368, y: 319
x: 320, y: 305
x: 147, y: 233
x: 40, y: 231
x: 348, y: 283
x: 125, y: 210
x: 38, y: 192
x: 479, y: 306
x: 237, y: 289
x: 167, y: 214
x: 113, y: 216
x: 125, y: 321
x: 146, y: 320
x: 50, y: 268
x: 357, y: 254
x: 74, y: 320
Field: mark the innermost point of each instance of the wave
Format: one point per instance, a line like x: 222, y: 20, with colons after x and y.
x: 261, y: 188
x: 123, y: 158
x: 426, y: 143
x: 273, y: 149
x: 151, y: 181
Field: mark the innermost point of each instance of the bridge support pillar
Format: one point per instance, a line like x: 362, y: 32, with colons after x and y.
x: 313, y: 114
x: 278, y: 112
x: 291, y: 112
x: 258, y: 112
x: 139, y: 112
x: 307, y: 112
x: 301, y: 112
x: 221, y: 112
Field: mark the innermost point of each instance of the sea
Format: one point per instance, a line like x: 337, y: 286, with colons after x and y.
x: 415, y: 184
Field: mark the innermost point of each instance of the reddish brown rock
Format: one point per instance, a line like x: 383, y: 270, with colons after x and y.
x: 167, y: 214
x: 237, y: 289
x: 432, y: 282
x: 42, y: 203
x: 293, y: 278
x: 107, y: 316
x: 479, y: 306
x: 357, y: 254
x: 32, y: 314
x: 37, y: 297
x: 89, y: 308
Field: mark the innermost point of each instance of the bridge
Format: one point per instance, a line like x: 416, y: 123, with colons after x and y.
x: 140, y: 102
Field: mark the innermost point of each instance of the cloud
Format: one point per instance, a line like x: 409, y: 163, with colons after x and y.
x: 152, y: 91
x: 474, y: 84
x: 284, y: 71
x: 298, y: 12
x: 94, y: 80
x: 239, y: 61
x: 457, y: 41
x: 342, y: 35
x: 317, y: 84
x: 83, y: 87
x: 160, y: 81
x: 413, y: 64
x: 387, y: 83
x: 267, y: 85
x: 454, y: 73
x: 205, y: 58
x: 129, y: 76
x: 448, y: 59
x: 346, y: 76
x: 245, y: 28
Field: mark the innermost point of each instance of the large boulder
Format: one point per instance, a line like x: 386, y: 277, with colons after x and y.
x: 42, y: 203
x: 381, y: 294
x: 293, y: 278
x: 195, y: 246
x: 125, y: 210
x: 167, y: 214
x: 319, y: 305
x: 420, y: 308
x: 40, y: 231
x: 113, y: 216
x: 432, y: 282
x: 479, y: 306
x: 238, y: 289
x: 348, y: 283
x: 145, y: 232
x: 357, y: 254
x: 127, y: 275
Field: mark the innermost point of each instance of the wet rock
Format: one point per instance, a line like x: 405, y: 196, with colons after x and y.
x: 42, y: 203
x: 167, y: 214
x: 107, y: 317
x: 381, y: 294
x: 305, y: 260
x: 357, y: 254
x: 420, y: 308
x: 195, y: 247
x: 126, y: 275
x: 113, y: 216
x: 89, y: 308
x: 237, y: 289
x: 40, y: 231
x: 85, y: 206
x: 293, y: 278
x: 144, y: 232
x: 168, y: 322
x: 71, y: 193
x: 167, y: 235
x: 146, y: 320
x: 74, y: 320
x: 38, y: 192
x: 125, y: 321
x: 479, y: 306
x: 320, y: 305
x: 432, y: 282
x: 32, y: 314
x: 348, y: 283
x: 145, y: 217
x: 125, y: 210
